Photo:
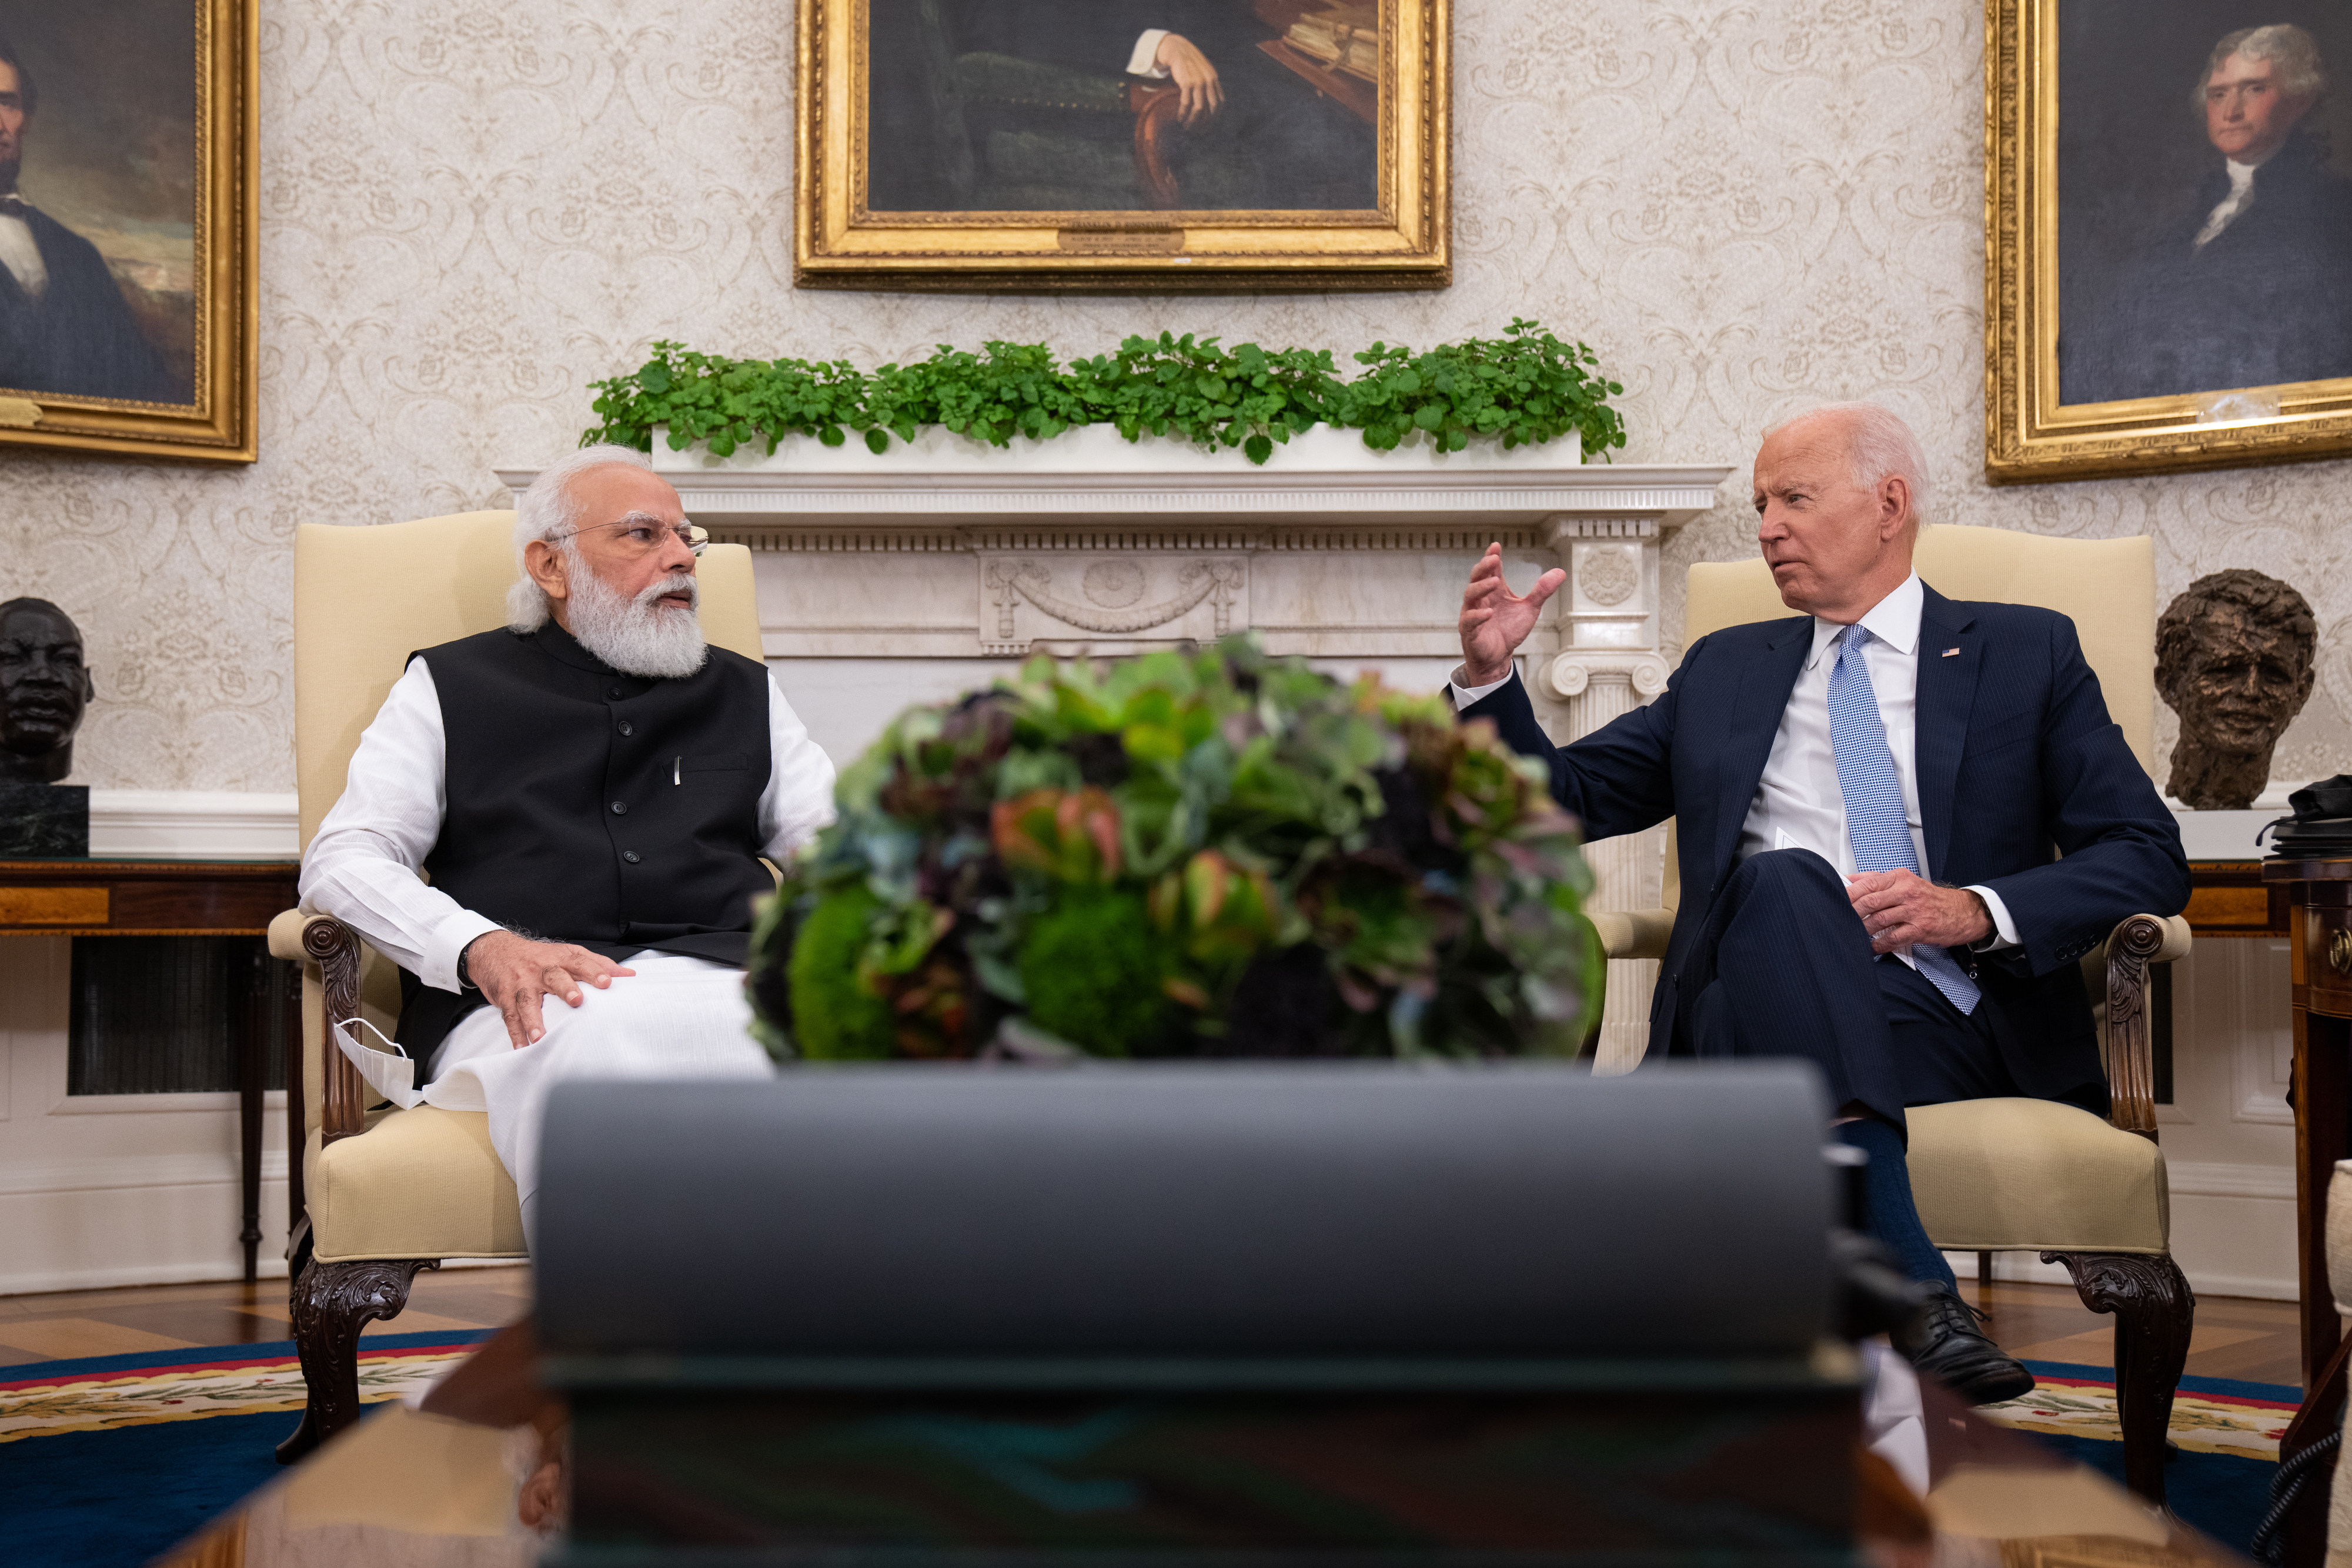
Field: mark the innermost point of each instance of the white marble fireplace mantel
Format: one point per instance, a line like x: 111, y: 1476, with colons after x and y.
x: 1089, y: 545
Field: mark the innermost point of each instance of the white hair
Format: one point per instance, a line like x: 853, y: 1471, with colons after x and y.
x: 1878, y: 444
x: 2294, y: 51
x: 547, y: 512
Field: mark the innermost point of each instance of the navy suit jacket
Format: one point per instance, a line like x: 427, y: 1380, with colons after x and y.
x: 79, y: 338
x: 2026, y: 787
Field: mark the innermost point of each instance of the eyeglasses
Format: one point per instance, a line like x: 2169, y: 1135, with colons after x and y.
x: 642, y: 537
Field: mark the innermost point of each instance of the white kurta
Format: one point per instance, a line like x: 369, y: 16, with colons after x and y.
x: 677, y: 1017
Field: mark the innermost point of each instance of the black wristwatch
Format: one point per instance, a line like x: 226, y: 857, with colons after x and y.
x: 465, y: 980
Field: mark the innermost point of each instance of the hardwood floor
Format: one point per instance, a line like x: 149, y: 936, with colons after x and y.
x: 72, y: 1323
x: 2249, y: 1340
x: 2255, y: 1342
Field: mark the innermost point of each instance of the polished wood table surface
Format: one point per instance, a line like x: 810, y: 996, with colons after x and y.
x: 101, y: 897
x: 2320, y: 900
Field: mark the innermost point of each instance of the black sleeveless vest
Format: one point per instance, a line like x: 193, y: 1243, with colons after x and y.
x: 587, y: 805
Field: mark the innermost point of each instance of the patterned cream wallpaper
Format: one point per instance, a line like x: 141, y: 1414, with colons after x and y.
x: 469, y: 209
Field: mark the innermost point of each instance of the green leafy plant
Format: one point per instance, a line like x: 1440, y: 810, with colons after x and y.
x: 1527, y: 386
x: 1218, y: 853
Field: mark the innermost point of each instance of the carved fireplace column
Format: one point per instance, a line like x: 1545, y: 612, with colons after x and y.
x: 1607, y: 660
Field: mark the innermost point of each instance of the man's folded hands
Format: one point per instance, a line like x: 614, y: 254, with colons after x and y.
x: 1901, y: 909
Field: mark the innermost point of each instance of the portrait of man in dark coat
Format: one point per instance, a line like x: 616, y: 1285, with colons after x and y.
x: 2249, y: 283
x: 1024, y: 105
x: 65, y: 327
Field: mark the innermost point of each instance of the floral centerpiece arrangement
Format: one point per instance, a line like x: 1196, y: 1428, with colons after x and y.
x: 1210, y: 854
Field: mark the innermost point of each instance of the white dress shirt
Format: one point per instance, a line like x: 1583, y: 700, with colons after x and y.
x: 1798, y: 802
x: 362, y: 866
x: 1144, y: 59
x: 2225, y: 212
x: 22, y: 256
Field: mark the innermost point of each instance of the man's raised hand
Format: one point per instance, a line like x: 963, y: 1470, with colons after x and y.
x: 514, y: 972
x: 1495, y: 621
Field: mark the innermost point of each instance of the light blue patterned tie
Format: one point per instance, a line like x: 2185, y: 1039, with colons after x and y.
x: 1873, y: 799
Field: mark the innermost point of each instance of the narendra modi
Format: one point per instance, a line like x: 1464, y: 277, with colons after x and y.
x: 590, y: 790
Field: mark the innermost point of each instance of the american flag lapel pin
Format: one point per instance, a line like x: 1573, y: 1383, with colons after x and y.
x: 1951, y: 653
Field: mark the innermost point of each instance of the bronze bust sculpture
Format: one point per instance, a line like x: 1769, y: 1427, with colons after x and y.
x: 2234, y: 658
x: 45, y: 687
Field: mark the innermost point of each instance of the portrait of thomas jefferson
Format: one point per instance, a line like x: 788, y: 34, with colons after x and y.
x: 67, y: 328
x: 2244, y: 280
x: 1033, y: 105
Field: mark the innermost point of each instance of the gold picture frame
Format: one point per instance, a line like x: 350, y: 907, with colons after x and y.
x: 187, y: 283
x: 2081, y: 378
x: 1107, y: 213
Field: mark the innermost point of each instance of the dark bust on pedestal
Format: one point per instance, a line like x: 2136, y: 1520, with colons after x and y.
x: 45, y: 688
x: 2234, y: 658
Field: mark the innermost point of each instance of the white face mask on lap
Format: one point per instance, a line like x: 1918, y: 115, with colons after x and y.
x: 636, y: 637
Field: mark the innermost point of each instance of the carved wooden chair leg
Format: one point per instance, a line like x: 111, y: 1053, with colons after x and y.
x: 2155, y: 1311
x: 332, y: 1302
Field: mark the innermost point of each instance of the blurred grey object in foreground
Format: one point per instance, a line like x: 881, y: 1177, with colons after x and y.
x: 1201, y: 1316
x: 1190, y: 1210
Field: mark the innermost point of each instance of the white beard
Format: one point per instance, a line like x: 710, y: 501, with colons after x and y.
x: 638, y: 636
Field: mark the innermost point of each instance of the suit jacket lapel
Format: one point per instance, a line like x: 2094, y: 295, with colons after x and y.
x: 1946, y: 692
x: 1756, y: 705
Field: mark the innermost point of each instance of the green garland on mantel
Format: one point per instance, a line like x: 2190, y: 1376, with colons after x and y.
x: 1526, y: 386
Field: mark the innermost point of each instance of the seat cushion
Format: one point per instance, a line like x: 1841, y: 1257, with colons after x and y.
x: 2032, y: 1175
x: 420, y: 1183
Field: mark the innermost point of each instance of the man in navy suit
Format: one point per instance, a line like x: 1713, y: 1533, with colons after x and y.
x: 1873, y: 799
x: 64, y: 327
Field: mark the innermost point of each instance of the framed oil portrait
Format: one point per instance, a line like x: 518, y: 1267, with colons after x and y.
x: 1123, y: 145
x: 127, y: 227
x: 2168, y: 236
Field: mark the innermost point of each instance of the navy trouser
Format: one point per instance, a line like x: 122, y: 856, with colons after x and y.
x: 1785, y: 968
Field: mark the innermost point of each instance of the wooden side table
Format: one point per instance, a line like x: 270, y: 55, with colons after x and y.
x: 2231, y: 898
x: 2319, y: 900
x: 178, y: 898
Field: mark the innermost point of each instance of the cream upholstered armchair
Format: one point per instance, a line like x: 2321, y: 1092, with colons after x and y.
x: 2031, y: 1175
x: 381, y: 1194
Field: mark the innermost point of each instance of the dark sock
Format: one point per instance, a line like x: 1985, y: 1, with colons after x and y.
x: 1891, y: 1216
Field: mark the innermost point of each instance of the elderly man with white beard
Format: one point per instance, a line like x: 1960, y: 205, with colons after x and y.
x: 591, y: 789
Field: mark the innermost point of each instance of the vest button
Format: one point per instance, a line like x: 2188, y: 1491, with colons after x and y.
x: 620, y: 808
x: 619, y: 692
x: 628, y: 729
x: 630, y: 857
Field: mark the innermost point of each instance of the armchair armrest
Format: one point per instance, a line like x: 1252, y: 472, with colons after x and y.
x: 286, y: 933
x: 334, y: 948
x: 1633, y: 933
x: 2126, y: 1049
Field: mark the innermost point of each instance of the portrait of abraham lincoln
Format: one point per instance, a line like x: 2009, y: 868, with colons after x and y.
x: 1040, y: 106
x: 98, y: 186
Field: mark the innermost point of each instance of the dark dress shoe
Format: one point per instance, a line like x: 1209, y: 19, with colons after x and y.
x: 1945, y: 1342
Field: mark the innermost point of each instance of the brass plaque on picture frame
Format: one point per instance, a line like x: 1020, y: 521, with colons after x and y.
x: 2168, y: 236
x: 127, y: 287
x: 1109, y: 146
